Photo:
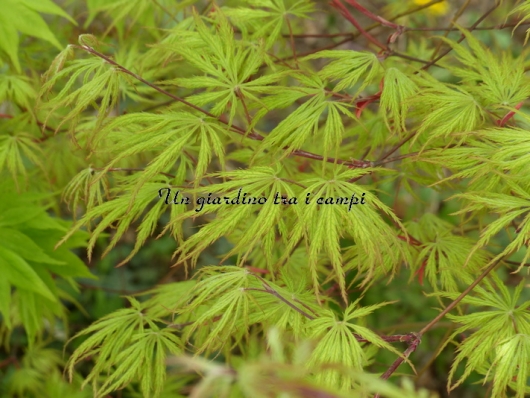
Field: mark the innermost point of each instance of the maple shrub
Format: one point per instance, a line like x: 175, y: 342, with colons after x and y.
x: 344, y: 188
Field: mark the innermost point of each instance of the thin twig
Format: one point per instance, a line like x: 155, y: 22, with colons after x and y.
x: 373, y: 16
x: 459, y: 298
x: 405, y: 56
x: 346, y: 14
x: 254, y: 136
x: 397, y: 146
x: 495, y: 27
x: 166, y: 11
x: 447, y: 31
x: 415, y: 343
x: 161, y: 90
x: 412, y: 347
x: 462, y: 37
x: 393, y: 159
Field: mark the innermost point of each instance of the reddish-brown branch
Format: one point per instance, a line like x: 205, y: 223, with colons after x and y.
x: 413, y: 345
x: 405, y: 28
x: 161, y: 90
x: 393, y: 159
x: 397, y: 146
x: 415, y: 342
x: 405, y: 56
x: 459, y: 298
x: 353, y: 36
x: 373, y: 16
x: 254, y: 136
x: 410, y: 240
x: 346, y: 14
x: 399, y: 29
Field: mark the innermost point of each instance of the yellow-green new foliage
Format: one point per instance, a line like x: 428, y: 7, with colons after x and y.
x: 345, y: 189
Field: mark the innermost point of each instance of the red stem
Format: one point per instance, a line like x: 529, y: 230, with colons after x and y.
x: 346, y: 14
x: 373, y: 16
x: 509, y: 115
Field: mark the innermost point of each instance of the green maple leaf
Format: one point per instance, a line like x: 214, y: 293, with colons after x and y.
x: 23, y: 16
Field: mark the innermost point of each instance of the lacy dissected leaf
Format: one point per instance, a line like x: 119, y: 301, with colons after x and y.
x: 338, y: 344
x: 142, y: 12
x: 14, y: 149
x: 507, y: 152
x: 397, y: 91
x: 304, y: 123
x: 167, y: 298
x: 443, y: 256
x: 229, y: 305
x: 492, y: 160
x: 445, y: 111
x: 228, y: 66
x: 132, y: 346
x: 266, y: 19
x: 291, y: 313
x: 501, y: 329
x: 100, y: 81
x: 231, y: 299
x: 524, y: 10
x: 510, y: 366
x: 509, y: 208
x: 109, y: 335
x: 102, y: 86
x: 266, y: 253
x: 368, y: 272
x: 352, y: 68
x: 145, y: 360
x: 125, y: 209
x: 498, y: 79
x: 59, y: 62
x: 168, y: 48
x: 256, y: 182
x: 370, y: 133
x: 169, y: 135
x: 87, y: 187
x: 472, y: 161
x: 335, y: 211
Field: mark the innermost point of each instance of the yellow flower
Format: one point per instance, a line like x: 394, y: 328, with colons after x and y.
x: 438, y: 8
